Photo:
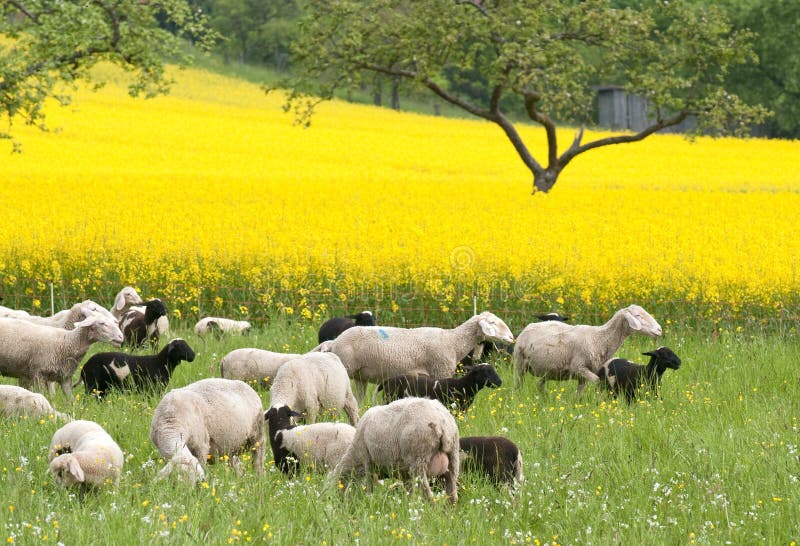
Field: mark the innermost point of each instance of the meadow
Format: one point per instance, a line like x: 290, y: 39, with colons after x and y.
x: 211, y: 199
x: 715, y: 461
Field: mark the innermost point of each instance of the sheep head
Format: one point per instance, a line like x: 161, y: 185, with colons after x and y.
x: 67, y: 470
x: 494, y: 329
x: 665, y: 358
x: 641, y: 321
x: 101, y: 329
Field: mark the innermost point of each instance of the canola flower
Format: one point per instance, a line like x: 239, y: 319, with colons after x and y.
x: 212, y: 199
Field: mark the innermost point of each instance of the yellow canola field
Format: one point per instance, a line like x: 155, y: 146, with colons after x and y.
x: 213, y: 199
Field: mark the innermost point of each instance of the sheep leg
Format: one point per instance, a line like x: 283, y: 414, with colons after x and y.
x: 585, y: 375
x: 259, y: 455
x: 450, y: 485
x: 66, y: 386
x: 351, y: 408
x: 426, y: 485
x: 542, y: 382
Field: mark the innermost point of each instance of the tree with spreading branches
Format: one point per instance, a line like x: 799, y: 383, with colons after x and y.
x: 47, y: 46
x: 539, y: 59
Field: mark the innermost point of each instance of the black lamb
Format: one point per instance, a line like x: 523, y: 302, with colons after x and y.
x: 619, y: 374
x: 332, y: 328
x: 455, y: 391
x: 278, y: 420
x: 496, y: 457
x: 104, y: 371
x: 139, y: 326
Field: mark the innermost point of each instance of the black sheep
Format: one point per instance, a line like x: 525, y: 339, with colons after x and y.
x: 332, y: 328
x: 139, y: 327
x: 494, y: 456
x: 619, y: 374
x: 104, y: 371
x: 460, y: 391
x: 278, y: 420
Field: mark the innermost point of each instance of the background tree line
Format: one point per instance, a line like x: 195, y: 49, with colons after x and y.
x: 262, y: 32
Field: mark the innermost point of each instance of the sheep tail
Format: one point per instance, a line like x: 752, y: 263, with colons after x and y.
x: 518, y: 475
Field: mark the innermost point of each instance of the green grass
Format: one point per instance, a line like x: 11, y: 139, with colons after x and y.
x: 714, y: 461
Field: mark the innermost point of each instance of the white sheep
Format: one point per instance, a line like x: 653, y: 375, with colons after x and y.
x: 314, y: 382
x: 209, y: 418
x: 219, y: 325
x: 37, y: 354
x: 16, y: 401
x: 124, y: 300
x: 63, y: 319
x: 82, y: 452
x: 319, y: 444
x: 375, y: 353
x: 554, y: 350
x: 416, y: 436
x: 250, y: 364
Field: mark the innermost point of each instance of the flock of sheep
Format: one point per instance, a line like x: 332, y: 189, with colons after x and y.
x: 413, y: 432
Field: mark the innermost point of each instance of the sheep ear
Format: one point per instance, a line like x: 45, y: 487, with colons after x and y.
x: 488, y: 329
x: 293, y: 413
x: 76, y: 470
x: 119, y: 302
x: 88, y: 318
x: 650, y: 353
x: 633, y: 322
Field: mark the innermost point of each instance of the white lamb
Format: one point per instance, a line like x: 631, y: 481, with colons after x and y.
x: 314, y: 382
x: 218, y: 325
x: 317, y: 445
x: 124, y: 300
x: 253, y: 365
x: 16, y: 401
x: 555, y: 350
x: 209, y: 418
x: 375, y: 353
x: 416, y: 436
x: 37, y: 354
x: 82, y: 452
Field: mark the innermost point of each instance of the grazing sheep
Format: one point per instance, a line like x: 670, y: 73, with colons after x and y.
x: 332, y: 328
x: 16, y: 401
x: 314, y: 382
x: 623, y: 375
x: 125, y: 299
x: 82, y: 452
x: 375, y: 353
x: 253, y: 365
x: 104, y: 371
x: 320, y: 444
x: 458, y: 392
x: 208, y: 418
x: 219, y: 326
x: 496, y: 457
x: 140, y: 326
x: 415, y: 436
x: 554, y: 350
x: 37, y: 354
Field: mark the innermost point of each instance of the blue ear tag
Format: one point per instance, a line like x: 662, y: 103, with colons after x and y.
x: 383, y: 333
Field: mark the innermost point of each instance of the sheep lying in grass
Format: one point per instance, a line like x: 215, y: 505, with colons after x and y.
x: 253, y: 365
x: 375, y: 353
x: 105, y: 371
x: 332, y: 328
x: 38, y: 354
x: 219, y: 326
x: 496, y: 457
x: 620, y: 375
x: 15, y: 401
x: 458, y: 392
x: 554, y: 350
x: 416, y: 436
x: 211, y: 417
x: 82, y: 452
x: 319, y: 444
x: 314, y: 382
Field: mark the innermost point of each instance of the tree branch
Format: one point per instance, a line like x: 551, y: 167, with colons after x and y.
x: 22, y: 9
x: 545, y: 121
x: 577, y: 148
